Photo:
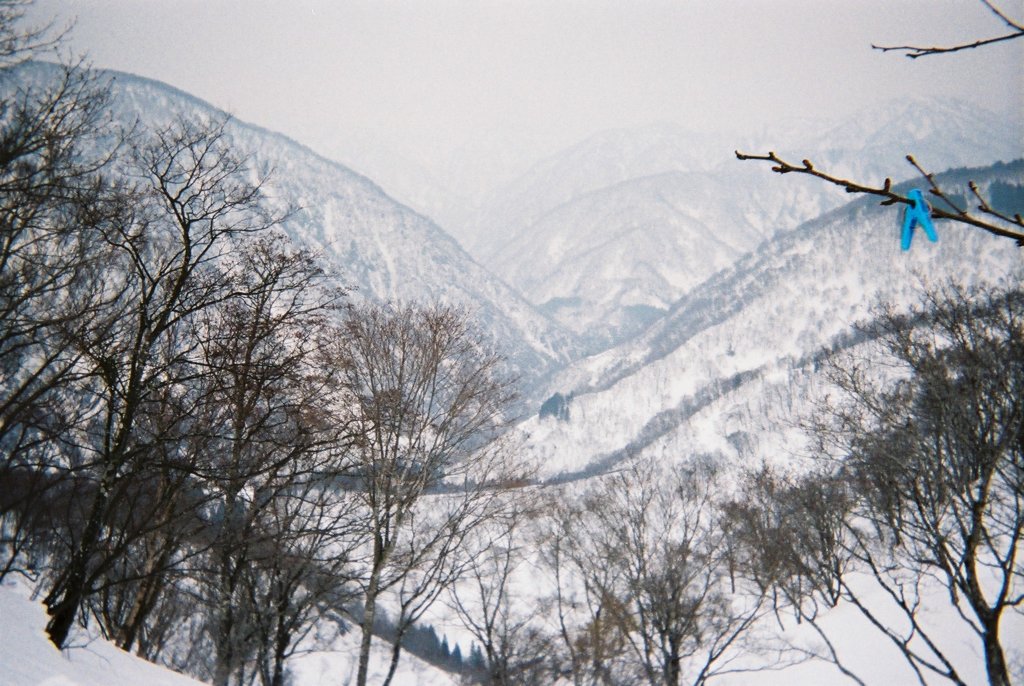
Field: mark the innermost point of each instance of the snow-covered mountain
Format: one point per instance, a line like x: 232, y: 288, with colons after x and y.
x: 606, y: 234
x: 710, y: 375
x: 608, y: 263
x: 941, y: 133
x: 379, y: 247
x: 405, y: 179
x: 600, y: 161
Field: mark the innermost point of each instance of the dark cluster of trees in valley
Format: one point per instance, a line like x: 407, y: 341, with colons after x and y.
x: 209, y: 452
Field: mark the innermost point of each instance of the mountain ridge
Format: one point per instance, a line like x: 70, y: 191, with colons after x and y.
x: 769, y: 313
x: 381, y: 248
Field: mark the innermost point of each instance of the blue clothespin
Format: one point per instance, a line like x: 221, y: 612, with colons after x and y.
x: 917, y: 213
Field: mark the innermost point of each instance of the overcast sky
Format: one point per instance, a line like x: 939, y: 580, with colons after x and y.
x: 429, y: 75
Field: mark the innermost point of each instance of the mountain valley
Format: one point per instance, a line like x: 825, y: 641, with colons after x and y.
x: 659, y: 301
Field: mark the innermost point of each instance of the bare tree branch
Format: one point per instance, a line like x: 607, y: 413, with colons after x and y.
x: 1015, y: 230
x: 915, y: 51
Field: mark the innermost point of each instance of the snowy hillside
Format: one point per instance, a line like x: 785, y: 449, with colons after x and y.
x: 609, y: 262
x: 382, y: 249
x: 734, y: 350
x: 587, y: 236
x: 27, y: 658
x: 406, y: 180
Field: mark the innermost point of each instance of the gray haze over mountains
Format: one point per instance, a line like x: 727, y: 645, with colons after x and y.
x: 475, y: 92
x: 597, y: 246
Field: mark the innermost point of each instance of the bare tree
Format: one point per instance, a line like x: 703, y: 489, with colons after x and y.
x: 587, y: 622
x: 302, y: 569
x: 977, y: 211
x: 787, y: 538
x: 431, y: 402
x: 153, y: 529
x: 645, y: 555
x: 55, y: 145
x: 19, y: 43
x: 923, y: 485
x: 494, y: 608
x: 242, y: 497
x: 193, y: 197
x: 278, y: 446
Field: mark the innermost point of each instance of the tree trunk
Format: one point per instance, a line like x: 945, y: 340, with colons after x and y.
x: 396, y: 651
x: 145, y: 599
x: 673, y: 671
x: 995, y: 660
x: 65, y: 599
x: 369, y: 611
x: 225, y: 642
x: 282, y: 639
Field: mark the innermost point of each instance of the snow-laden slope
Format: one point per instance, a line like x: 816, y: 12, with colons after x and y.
x: 754, y: 323
x: 27, y: 658
x: 383, y: 249
x: 607, y: 263
x: 403, y: 178
x: 630, y: 220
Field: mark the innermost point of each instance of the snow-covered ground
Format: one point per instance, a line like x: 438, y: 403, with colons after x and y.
x: 27, y: 658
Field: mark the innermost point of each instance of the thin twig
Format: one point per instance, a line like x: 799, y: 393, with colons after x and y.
x: 783, y: 167
x: 1002, y: 15
x: 780, y: 166
x: 915, y: 51
x: 934, y: 188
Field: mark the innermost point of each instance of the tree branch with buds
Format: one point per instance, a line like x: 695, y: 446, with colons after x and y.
x: 915, y: 51
x: 982, y: 216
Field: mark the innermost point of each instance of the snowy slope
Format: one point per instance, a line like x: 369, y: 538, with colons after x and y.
x: 629, y: 220
x: 405, y: 179
x: 27, y: 658
x: 383, y: 249
x: 608, y: 262
x: 752, y: 326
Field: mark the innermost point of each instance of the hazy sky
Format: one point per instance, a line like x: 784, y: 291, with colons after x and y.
x: 429, y: 75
